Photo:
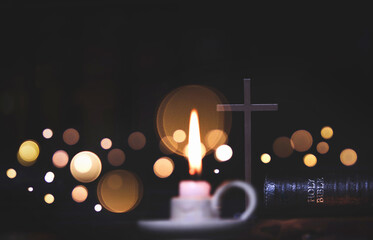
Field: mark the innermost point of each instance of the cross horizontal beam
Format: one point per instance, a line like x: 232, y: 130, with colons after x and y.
x: 243, y: 107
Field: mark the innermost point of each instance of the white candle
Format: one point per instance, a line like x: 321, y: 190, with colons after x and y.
x: 194, y: 189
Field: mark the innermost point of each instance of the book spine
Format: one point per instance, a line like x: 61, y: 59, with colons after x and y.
x: 319, y: 194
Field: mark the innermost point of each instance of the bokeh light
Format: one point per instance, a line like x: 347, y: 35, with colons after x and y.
x: 322, y: 147
x: 179, y: 136
x: 116, y: 157
x: 49, y: 198
x: 163, y: 167
x: 79, y: 193
x: 60, y: 158
x: 309, y: 160
x: 223, y: 153
x: 174, y: 112
x: 28, y: 153
x: 70, y: 136
x: 282, y: 147
x: 216, y: 171
x: 215, y: 138
x: 98, y: 207
x: 301, y: 140
x: 348, y: 157
x: 47, y: 133
x: 49, y: 177
x: 327, y: 132
x: 119, y: 191
x: 30, y: 189
x: 106, y: 143
x: 85, y: 166
x: 11, y: 173
x: 265, y: 158
x: 170, y: 148
x: 136, y: 140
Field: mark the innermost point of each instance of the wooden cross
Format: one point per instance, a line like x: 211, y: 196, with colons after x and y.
x: 247, y: 108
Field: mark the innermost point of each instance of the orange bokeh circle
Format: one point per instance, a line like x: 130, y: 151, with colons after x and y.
x: 174, y: 113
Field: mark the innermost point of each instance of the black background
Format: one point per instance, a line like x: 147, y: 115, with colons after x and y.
x: 104, y: 67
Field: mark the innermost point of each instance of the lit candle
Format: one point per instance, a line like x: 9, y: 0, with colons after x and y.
x: 190, y: 188
x: 195, y: 210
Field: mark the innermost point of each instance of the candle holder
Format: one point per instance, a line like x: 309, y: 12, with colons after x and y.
x: 200, y: 213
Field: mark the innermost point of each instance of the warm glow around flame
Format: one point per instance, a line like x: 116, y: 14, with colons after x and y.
x: 194, y: 145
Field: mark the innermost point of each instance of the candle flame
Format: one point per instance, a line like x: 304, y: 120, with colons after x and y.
x: 194, y: 145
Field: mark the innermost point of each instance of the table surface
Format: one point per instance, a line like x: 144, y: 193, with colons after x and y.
x: 261, y: 229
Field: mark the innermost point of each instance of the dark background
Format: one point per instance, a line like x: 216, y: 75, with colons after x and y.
x: 104, y: 67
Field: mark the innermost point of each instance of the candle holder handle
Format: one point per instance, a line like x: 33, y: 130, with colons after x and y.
x: 246, y: 187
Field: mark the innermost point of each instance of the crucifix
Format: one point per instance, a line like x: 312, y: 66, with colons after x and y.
x: 247, y: 108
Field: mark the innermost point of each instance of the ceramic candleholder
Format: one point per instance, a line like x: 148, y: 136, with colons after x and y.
x: 193, y: 215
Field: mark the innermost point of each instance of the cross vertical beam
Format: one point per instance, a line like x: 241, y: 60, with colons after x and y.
x: 247, y: 108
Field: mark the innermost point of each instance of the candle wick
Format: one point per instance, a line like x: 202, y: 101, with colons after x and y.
x: 195, y: 177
